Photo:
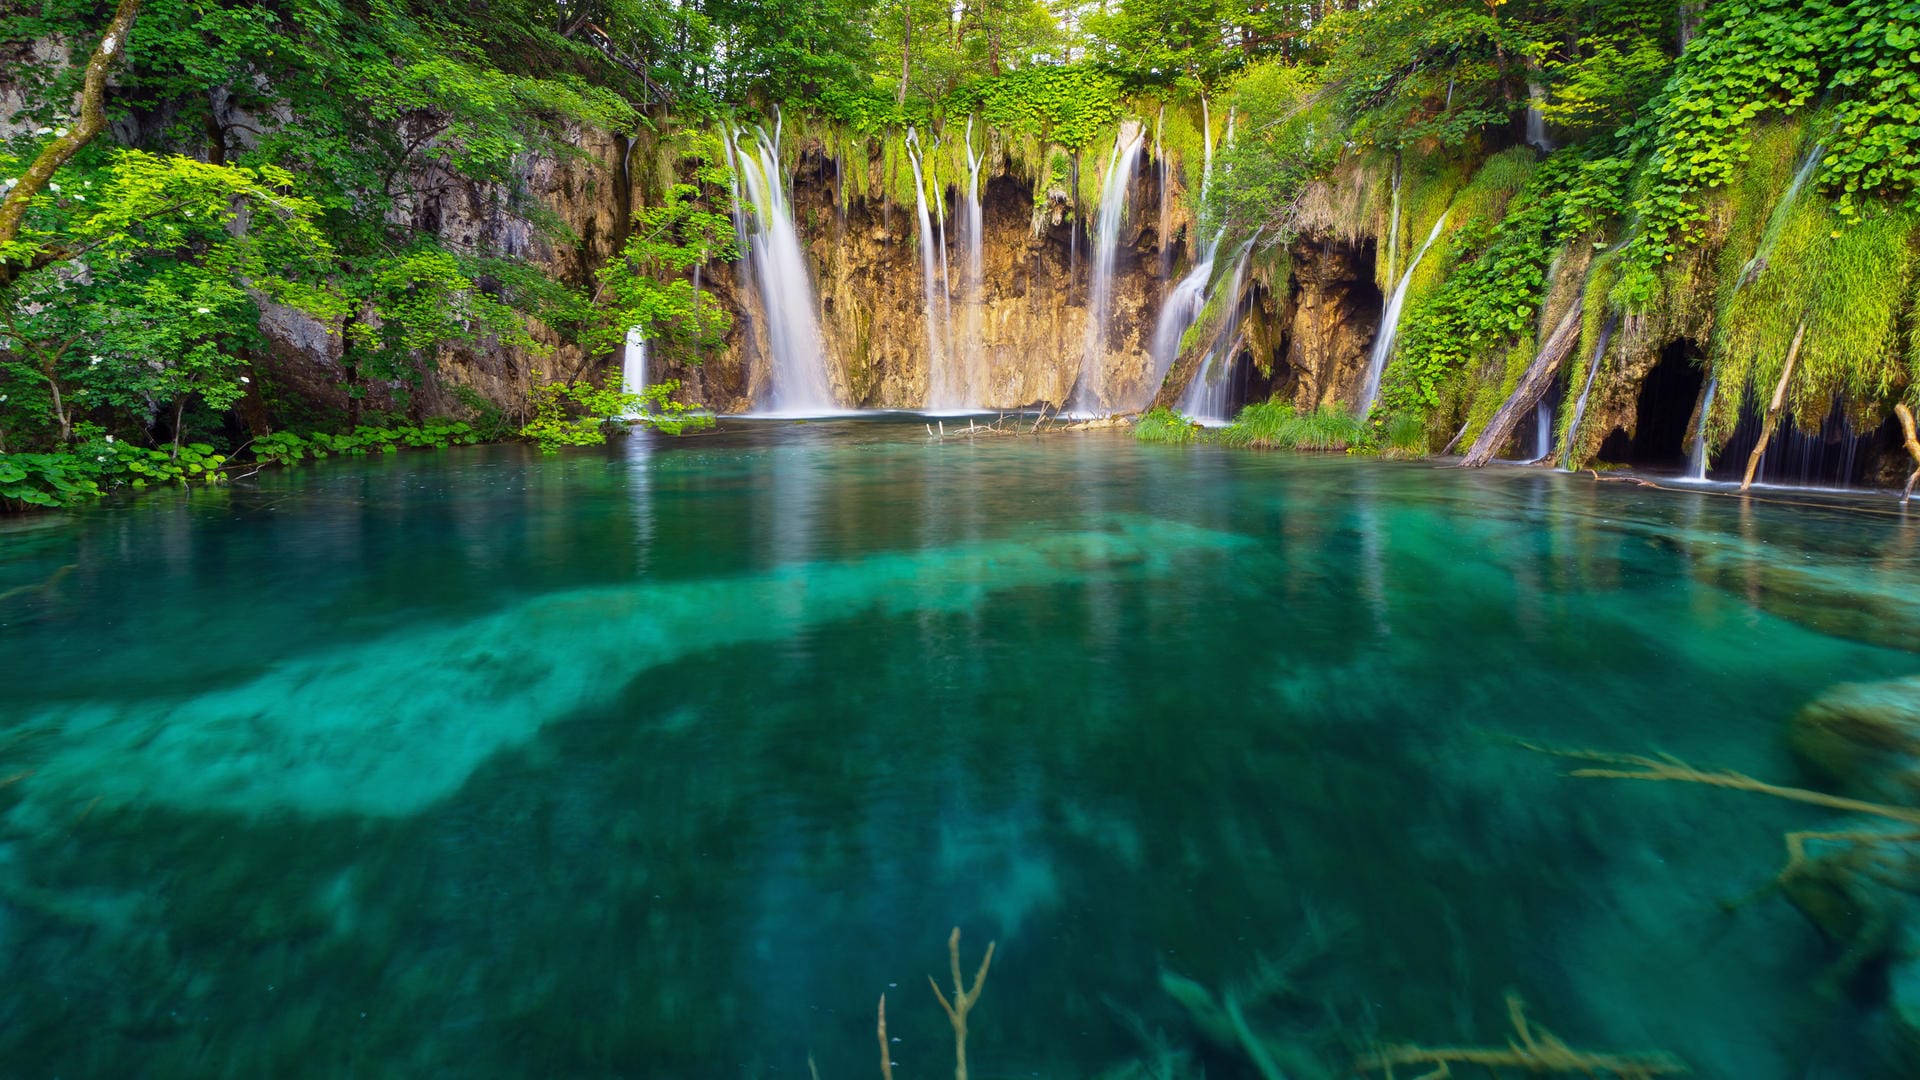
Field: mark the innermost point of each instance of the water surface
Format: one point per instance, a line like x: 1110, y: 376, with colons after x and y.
x: 666, y: 760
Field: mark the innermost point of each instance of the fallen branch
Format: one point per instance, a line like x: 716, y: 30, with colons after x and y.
x: 1534, y: 1049
x: 1773, y: 410
x: 1533, y: 386
x: 886, y: 1056
x: 1913, y: 446
x: 962, y: 1002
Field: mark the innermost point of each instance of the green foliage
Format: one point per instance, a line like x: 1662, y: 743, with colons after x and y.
x: 287, y: 448
x: 1163, y: 425
x: 1276, y: 425
x: 1069, y: 106
x: 579, y: 414
x: 1493, y: 297
x: 649, y: 285
x: 1756, y: 57
x: 43, y: 481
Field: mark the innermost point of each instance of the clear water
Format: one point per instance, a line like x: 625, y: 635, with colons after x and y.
x: 666, y: 760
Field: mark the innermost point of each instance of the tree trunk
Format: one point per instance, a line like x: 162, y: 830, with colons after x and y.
x: 1533, y: 386
x: 1772, y: 418
x: 1913, y: 446
x: 93, y: 120
x: 906, y: 49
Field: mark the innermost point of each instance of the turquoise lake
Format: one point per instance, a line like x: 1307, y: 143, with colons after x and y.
x: 668, y: 759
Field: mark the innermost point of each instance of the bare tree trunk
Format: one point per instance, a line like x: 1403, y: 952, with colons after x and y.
x: 1773, y: 411
x: 1533, y: 386
x: 1913, y: 446
x: 906, y: 49
x: 93, y: 120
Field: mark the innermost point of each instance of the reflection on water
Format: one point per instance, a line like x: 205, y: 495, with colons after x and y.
x: 667, y: 759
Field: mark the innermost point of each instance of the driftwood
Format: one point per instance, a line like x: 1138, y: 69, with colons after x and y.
x: 1773, y: 410
x: 1668, y: 767
x: 1533, y: 386
x: 886, y: 1052
x: 1913, y: 446
x: 1532, y: 1049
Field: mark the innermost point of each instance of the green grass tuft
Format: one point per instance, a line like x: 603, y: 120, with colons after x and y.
x: 1275, y: 425
x: 1163, y: 425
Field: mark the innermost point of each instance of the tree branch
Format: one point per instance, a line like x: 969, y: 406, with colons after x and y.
x: 93, y: 120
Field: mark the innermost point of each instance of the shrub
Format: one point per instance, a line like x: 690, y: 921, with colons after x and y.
x: 1163, y: 425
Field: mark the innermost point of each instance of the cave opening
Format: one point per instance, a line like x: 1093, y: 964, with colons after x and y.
x: 1663, y: 412
x: 1835, y: 456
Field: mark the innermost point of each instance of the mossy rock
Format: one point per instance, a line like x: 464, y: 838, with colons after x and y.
x: 1865, y: 737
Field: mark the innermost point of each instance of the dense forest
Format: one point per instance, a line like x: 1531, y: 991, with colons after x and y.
x: 1548, y: 188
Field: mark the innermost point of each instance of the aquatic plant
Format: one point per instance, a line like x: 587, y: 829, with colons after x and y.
x: 1276, y: 425
x: 1533, y: 1049
x: 1163, y: 425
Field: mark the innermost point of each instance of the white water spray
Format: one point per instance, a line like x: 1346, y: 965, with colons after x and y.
x: 1390, y: 324
x: 1586, y: 388
x: 1178, y: 311
x: 797, y: 382
x: 633, y: 366
x: 1089, y: 393
x: 1208, y: 397
x: 946, y: 386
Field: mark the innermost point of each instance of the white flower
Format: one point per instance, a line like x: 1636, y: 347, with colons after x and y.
x: 55, y: 188
x: 43, y: 131
x: 204, y: 310
x: 59, y: 133
x: 109, y: 438
x: 244, y: 379
x: 3, y: 398
x: 95, y: 362
x: 79, y: 198
x: 101, y: 457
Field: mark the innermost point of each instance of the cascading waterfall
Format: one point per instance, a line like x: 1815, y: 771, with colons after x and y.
x: 946, y: 385
x: 1536, y: 119
x: 797, y: 381
x: 1207, y: 398
x: 973, y: 282
x: 1177, y: 312
x: 1543, y: 429
x: 1165, y: 165
x: 1390, y: 323
x: 1089, y: 393
x: 1697, y: 457
x: 1586, y: 388
x: 633, y: 365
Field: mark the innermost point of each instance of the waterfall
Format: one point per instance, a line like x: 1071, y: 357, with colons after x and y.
x: 1393, y: 225
x: 1586, y: 388
x: 633, y: 366
x: 1543, y: 429
x: 1390, y: 323
x: 1177, y: 312
x: 1161, y: 160
x: 973, y: 281
x: 946, y: 386
x: 1089, y: 393
x: 1697, y: 457
x: 1207, y: 398
x: 1777, y: 220
x: 1536, y: 122
x: 1206, y: 141
x: 797, y: 370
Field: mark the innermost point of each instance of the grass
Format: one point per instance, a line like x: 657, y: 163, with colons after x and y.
x: 1163, y: 425
x: 1275, y: 425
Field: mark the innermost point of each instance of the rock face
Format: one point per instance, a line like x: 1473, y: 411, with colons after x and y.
x: 1335, y: 315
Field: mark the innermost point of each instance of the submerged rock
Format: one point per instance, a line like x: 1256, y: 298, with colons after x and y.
x: 1865, y: 737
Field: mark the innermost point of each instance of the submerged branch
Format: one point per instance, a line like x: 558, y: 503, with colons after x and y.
x: 1534, y: 1049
